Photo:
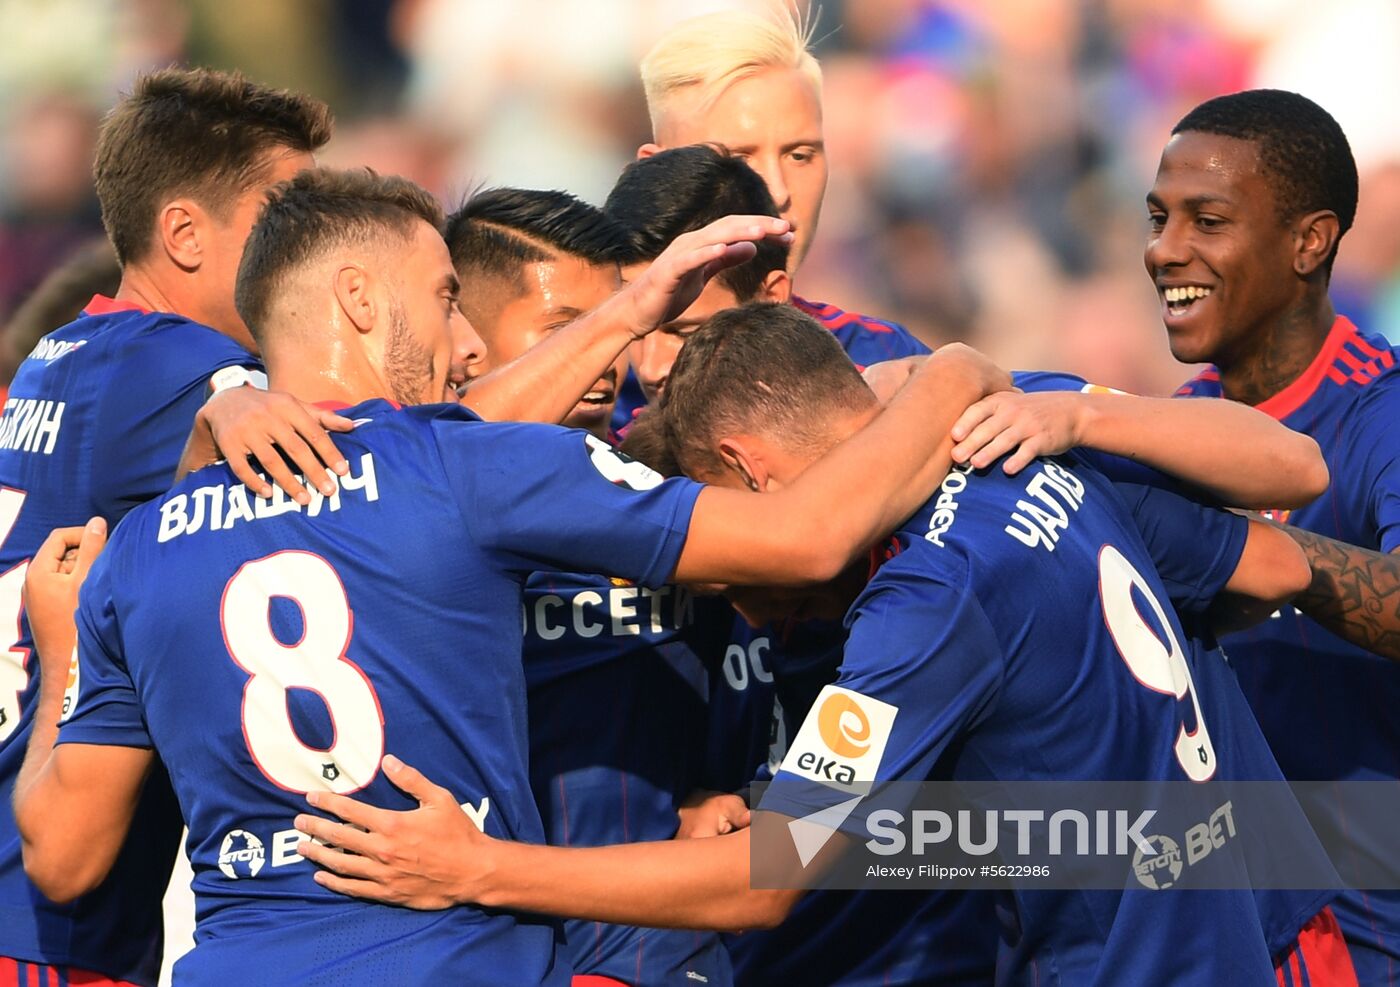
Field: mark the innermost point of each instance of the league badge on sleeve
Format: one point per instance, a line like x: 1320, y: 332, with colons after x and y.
x: 620, y: 469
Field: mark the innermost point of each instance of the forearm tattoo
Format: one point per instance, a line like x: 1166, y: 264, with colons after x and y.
x: 1355, y: 592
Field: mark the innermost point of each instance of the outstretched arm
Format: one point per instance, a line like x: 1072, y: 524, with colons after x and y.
x: 1237, y: 455
x: 544, y: 383
x: 847, y: 500
x: 435, y: 857
x: 1355, y: 592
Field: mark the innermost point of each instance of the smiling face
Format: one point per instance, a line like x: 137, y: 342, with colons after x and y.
x: 773, y: 121
x: 1219, y: 252
x: 556, y: 292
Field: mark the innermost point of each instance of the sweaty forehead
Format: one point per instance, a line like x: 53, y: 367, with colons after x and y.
x: 1193, y: 162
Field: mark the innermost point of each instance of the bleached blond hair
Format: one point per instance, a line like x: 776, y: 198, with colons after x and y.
x: 706, y: 55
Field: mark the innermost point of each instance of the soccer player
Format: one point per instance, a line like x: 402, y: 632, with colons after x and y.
x: 1252, y: 197
x: 94, y: 424
x: 309, y: 640
x: 989, y: 646
x: 531, y: 262
x: 614, y: 673
x: 747, y: 83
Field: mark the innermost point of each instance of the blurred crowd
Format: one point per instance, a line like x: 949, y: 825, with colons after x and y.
x: 988, y: 157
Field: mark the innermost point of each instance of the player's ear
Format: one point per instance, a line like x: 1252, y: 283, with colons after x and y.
x: 1316, y: 237
x: 647, y: 150
x: 178, y: 227
x: 741, y: 456
x: 776, y: 287
x: 355, y: 295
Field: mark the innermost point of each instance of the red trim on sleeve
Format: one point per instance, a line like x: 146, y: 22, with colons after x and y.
x: 102, y: 305
x: 1292, y: 397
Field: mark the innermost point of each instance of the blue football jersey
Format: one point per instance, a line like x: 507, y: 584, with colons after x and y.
x: 94, y: 424
x: 1327, y: 706
x: 300, y: 645
x: 616, y: 678
x: 973, y: 655
x: 759, y: 697
x: 867, y: 340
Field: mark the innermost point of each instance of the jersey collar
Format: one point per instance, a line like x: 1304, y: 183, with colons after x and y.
x: 102, y: 305
x: 339, y: 406
x: 1296, y: 394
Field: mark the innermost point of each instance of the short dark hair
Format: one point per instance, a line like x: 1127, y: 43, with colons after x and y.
x: 761, y: 367
x: 656, y: 199
x: 497, y: 231
x: 318, y: 209
x: 193, y: 132
x: 1300, y: 145
x: 645, y: 441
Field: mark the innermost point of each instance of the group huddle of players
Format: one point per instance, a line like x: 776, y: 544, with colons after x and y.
x: 445, y: 692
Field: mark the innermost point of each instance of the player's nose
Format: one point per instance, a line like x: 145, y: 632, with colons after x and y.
x: 1167, y: 247
x: 772, y: 174
x: 467, y: 345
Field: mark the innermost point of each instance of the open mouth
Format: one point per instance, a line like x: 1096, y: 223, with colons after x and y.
x: 1183, y: 299
x: 597, y: 397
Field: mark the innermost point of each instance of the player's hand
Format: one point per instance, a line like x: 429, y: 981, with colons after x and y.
x: 56, y: 573
x: 422, y: 858
x: 888, y: 376
x: 245, y: 421
x: 973, y: 366
x: 673, y: 281
x: 707, y: 813
x: 1041, y: 424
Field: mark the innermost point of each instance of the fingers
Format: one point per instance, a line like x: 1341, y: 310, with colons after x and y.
x: 975, y: 415
x: 355, y: 889
x: 243, y: 470
x: 412, y: 781
x: 357, y: 813
x: 342, y: 839
x: 55, y: 549
x: 269, y: 457
x: 94, y: 539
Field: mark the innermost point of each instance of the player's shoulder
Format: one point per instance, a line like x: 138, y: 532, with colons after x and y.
x: 868, y: 339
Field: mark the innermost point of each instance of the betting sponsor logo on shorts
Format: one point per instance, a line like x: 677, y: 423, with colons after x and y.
x: 842, y: 741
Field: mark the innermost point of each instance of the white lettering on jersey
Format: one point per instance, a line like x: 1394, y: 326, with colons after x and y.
x: 31, y: 424
x: 946, y: 506
x: 49, y: 350
x: 1051, y: 495
x: 221, y: 507
x: 623, y: 612
x: 738, y: 662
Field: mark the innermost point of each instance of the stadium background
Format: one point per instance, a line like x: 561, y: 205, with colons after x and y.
x: 988, y: 157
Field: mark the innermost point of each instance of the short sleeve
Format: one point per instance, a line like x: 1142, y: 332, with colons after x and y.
x: 922, y: 667
x: 107, y: 710
x: 545, y: 497
x: 154, y: 388
x: 1370, y: 459
x: 1195, y: 548
x: 1035, y: 381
